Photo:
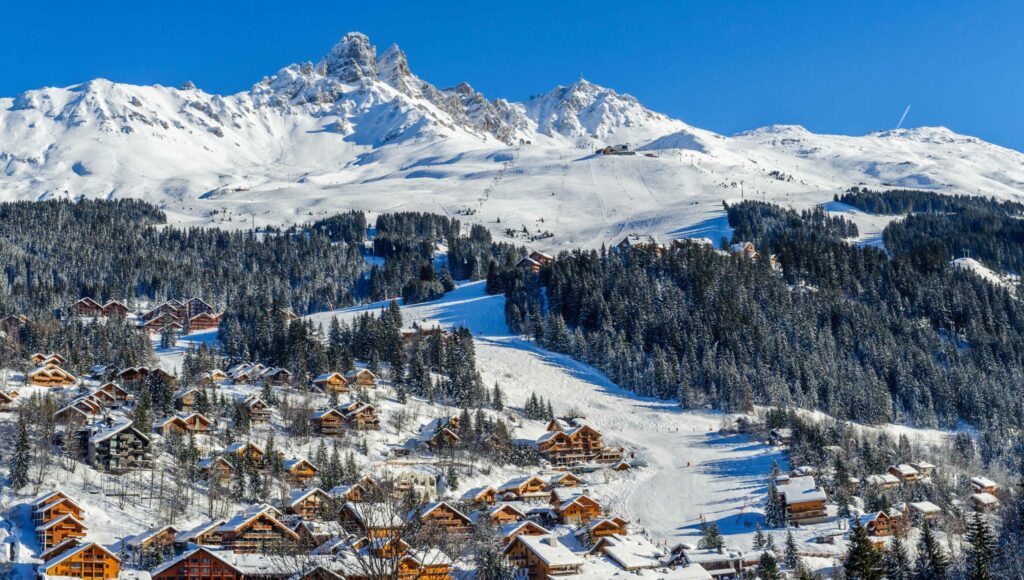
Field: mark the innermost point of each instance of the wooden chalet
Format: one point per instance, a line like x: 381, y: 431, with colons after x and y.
x: 640, y: 242
x: 443, y: 515
x: 579, y: 509
x: 328, y: 421
x: 7, y: 400
x: 743, y: 249
x: 300, y: 471
x: 505, y: 513
x: 905, y: 473
x: 481, y: 496
x: 211, y: 377
x: 444, y: 438
x: 509, y: 531
x: 115, y: 309
x: 13, y: 322
x: 192, y: 423
x: 564, y: 479
x: 331, y: 383
x: 373, y: 520
x: 925, y: 468
x: 68, y: 544
x: 256, y: 530
x: 528, y: 488
x: 215, y: 469
x: 581, y: 444
x: 277, y: 376
x: 161, y: 322
x: 361, y: 416
x: 199, y: 564
x: 247, y: 450
x: 87, y: 307
x: 356, y: 493
x: 429, y: 564
x: 51, y: 376
x: 185, y: 399
x: 361, y: 377
x: 603, y: 527
x: 71, y: 415
x: 204, y: 321
x: 541, y: 557
x: 877, y: 523
x: 984, y: 502
x: 88, y: 561
x: 119, y: 394
x: 196, y: 306
x: 205, y: 534
x: 159, y: 539
x: 55, y: 505
x: 258, y: 409
x: 133, y: 375
x: 57, y: 530
x: 803, y: 500
x: 982, y: 484
x: 924, y: 509
x: 40, y: 359
x: 310, y: 503
x: 115, y: 446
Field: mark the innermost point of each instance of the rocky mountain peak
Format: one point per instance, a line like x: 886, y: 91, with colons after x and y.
x: 353, y: 60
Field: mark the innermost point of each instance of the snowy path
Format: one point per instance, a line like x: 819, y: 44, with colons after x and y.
x: 686, y: 468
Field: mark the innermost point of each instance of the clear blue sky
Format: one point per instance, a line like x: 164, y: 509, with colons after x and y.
x: 844, y: 67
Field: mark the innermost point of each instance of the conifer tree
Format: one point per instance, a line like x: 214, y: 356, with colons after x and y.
x: 932, y: 563
x: 897, y: 561
x: 981, y: 549
x: 863, y: 561
x: 774, y: 512
x: 792, y: 557
x: 768, y: 568
x: 22, y: 458
x: 759, y: 541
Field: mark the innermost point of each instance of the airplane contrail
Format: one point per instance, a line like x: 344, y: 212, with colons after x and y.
x: 907, y: 110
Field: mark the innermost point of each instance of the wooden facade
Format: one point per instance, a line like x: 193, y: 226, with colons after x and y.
x: 256, y: 532
x: 115, y: 447
x: 56, y: 531
x: 328, y: 422
x: 541, y: 557
x: 300, y: 471
x: 204, y: 321
x: 331, y: 383
x: 199, y: 564
x: 87, y: 307
x: 51, y: 376
x: 445, y: 516
x: 579, y: 445
x: 580, y: 510
x: 89, y: 561
x: 311, y: 504
x: 361, y: 377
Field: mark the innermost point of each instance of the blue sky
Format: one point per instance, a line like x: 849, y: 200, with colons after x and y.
x: 847, y: 67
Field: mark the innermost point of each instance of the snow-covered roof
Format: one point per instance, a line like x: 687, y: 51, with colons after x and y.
x: 59, y: 520
x: 189, y: 535
x: 427, y: 509
x: 104, y: 433
x: 881, y: 479
x: 238, y: 446
x: 473, y: 493
x: 801, y: 489
x: 982, y: 481
x: 633, y: 552
x: 297, y: 495
x: 984, y: 498
x: 140, y: 539
x: 74, y: 552
x: 925, y: 507
x: 905, y: 469
x: 290, y: 464
x: 549, y: 550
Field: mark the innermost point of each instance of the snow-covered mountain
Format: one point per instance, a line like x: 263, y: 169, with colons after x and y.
x: 358, y: 129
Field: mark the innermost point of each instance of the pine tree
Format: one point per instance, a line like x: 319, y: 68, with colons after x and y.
x: 759, y: 541
x: 452, y: 477
x: 143, y: 414
x: 932, y: 563
x: 498, y: 398
x: 711, y: 538
x: 863, y: 561
x: 21, y: 461
x: 768, y: 568
x: 897, y: 561
x: 792, y: 557
x: 981, y: 549
x: 774, y: 512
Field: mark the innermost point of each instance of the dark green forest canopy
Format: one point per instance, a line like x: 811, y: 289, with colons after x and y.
x: 841, y: 328
x: 938, y: 228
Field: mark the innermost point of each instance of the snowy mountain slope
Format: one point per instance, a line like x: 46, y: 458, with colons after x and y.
x: 359, y: 130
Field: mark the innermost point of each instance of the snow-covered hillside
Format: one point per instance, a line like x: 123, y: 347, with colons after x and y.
x: 359, y: 130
